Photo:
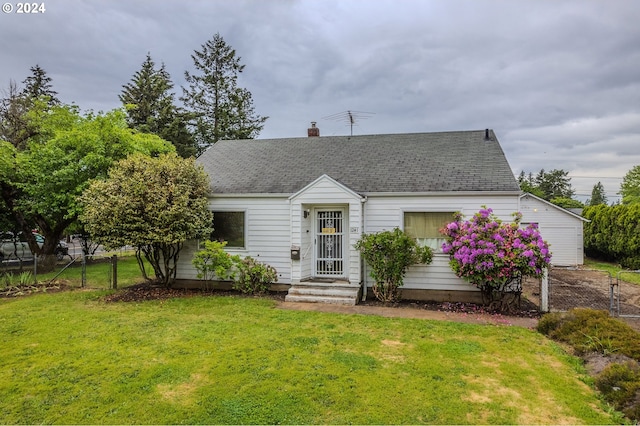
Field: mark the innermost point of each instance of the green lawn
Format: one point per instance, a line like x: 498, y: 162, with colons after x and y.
x: 72, y: 358
x: 614, y: 270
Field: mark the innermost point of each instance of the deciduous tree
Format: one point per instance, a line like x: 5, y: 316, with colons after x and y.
x: 40, y: 183
x: 152, y: 204
x: 567, y: 203
x: 15, y: 128
x: 222, y: 109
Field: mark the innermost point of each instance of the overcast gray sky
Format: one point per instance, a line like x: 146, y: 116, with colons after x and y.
x: 558, y: 81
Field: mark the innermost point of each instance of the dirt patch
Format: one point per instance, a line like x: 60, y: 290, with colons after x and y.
x: 585, y: 288
x: 596, y: 362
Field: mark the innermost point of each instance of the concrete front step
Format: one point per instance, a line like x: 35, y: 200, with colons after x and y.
x: 336, y: 300
x: 323, y: 291
x: 319, y: 292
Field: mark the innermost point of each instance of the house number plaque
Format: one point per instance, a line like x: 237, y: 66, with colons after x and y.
x: 328, y: 230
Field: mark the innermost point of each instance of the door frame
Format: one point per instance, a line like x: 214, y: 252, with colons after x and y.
x: 344, y: 240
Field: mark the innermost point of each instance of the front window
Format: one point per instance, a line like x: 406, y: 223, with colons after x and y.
x: 229, y: 227
x: 425, y: 227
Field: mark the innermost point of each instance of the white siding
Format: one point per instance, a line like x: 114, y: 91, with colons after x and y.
x: 275, y: 224
x: 267, y: 236
x: 558, y: 227
x: 386, y: 213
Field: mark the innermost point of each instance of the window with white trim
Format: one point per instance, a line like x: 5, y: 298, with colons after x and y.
x: 229, y: 227
x: 425, y: 227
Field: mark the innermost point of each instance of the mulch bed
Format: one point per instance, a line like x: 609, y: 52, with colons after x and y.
x: 26, y: 290
x: 143, y: 292
x: 526, y: 309
x: 148, y: 291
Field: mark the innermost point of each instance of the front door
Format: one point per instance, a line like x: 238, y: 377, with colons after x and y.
x: 329, y: 258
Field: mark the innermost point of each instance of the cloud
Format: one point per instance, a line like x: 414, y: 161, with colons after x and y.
x: 557, y: 81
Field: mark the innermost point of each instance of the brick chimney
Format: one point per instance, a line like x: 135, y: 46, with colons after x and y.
x: 313, y: 130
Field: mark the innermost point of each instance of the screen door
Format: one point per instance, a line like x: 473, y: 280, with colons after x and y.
x: 329, y: 243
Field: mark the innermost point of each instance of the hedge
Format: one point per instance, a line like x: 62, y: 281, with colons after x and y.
x: 613, y: 233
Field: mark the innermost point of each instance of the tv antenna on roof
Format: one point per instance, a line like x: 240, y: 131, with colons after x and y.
x: 349, y: 117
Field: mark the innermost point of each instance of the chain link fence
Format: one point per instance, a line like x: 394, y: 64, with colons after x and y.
x: 568, y: 288
x: 18, y: 272
x: 626, y: 296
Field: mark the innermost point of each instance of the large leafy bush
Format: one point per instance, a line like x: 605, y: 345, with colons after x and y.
x: 389, y: 254
x: 491, y: 254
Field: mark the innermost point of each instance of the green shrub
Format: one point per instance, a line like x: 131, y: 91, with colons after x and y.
x: 254, y: 277
x: 212, y: 262
x: 389, y: 254
x: 248, y: 275
x: 549, y: 322
x: 620, y: 386
x: 589, y: 330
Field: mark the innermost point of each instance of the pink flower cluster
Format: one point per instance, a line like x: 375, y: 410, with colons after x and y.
x: 484, y: 250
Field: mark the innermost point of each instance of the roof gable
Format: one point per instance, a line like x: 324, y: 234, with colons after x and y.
x: 396, y: 163
x: 325, y: 182
x: 548, y: 204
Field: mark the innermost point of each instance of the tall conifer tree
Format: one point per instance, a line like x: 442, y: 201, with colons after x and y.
x: 150, y: 107
x: 222, y: 109
x: 597, y: 195
x: 38, y: 84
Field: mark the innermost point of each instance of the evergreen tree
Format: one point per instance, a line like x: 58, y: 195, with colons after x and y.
x: 38, y: 84
x: 527, y: 184
x: 554, y: 184
x: 150, y: 107
x: 15, y: 124
x: 630, y: 186
x: 597, y: 195
x: 222, y: 109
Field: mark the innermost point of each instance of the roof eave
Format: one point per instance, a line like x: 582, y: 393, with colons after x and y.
x: 441, y: 193
x: 250, y: 195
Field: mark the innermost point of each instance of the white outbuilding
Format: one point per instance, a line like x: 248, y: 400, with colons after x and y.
x: 562, y: 229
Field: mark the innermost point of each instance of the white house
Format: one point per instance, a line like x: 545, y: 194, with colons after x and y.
x: 562, y: 229
x: 300, y: 204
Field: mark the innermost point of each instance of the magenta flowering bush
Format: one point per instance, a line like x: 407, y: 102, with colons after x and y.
x: 489, y: 253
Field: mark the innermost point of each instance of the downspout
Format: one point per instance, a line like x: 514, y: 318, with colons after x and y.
x: 363, y: 271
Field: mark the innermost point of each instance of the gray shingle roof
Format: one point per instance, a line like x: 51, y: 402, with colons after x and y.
x: 405, y: 163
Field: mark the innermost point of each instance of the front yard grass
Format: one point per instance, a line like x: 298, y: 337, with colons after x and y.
x: 72, y: 358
